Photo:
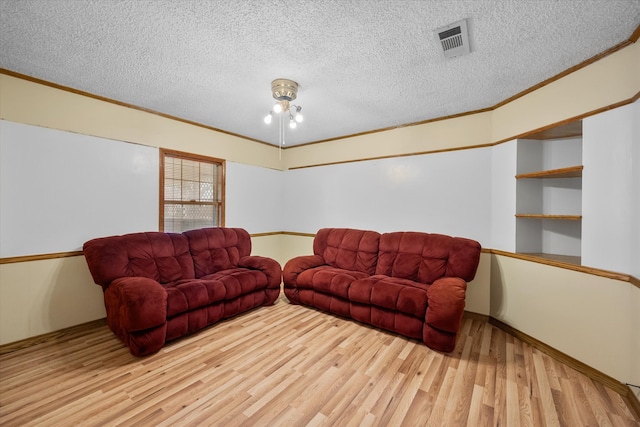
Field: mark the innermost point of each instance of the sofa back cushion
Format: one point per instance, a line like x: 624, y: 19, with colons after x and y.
x: 424, y: 257
x: 217, y: 248
x: 163, y: 257
x: 348, y: 248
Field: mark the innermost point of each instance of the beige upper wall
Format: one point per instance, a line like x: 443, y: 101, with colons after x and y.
x: 23, y: 101
x: 612, y: 79
x: 457, y: 132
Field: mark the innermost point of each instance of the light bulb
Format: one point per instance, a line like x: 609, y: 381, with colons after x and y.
x: 299, y: 118
x: 292, y: 124
x: 267, y: 119
x: 277, y: 108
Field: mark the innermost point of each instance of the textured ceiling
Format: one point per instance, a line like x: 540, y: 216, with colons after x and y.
x: 362, y: 65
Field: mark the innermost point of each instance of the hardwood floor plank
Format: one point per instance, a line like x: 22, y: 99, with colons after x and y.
x: 549, y: 413
x: 408, y: 389
x: 436, y: 418
x: 289, y: 417
x: 485, y: 374
x: 310, y: 397
x: 512, y: 406
x: 354, y: 382
x: 191, y: 412
x: 457, y: 410
x: 593, y: 401
x: 475, y: 406
x: 269, y: 395
x: 420, y: 408
x: 569, y: 411
x: 499, y: 404
x: 288, y: 365
x: 619, y: 405
x: 378, y: 398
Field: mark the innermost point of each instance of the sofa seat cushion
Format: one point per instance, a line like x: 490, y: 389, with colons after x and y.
x: 186, y: 295
x: 391, y: 293
x: 329, y: 280
x: 239, y: 281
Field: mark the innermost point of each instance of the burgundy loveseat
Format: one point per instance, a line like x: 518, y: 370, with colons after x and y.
x: 406, y: 282
x: 161, y: 286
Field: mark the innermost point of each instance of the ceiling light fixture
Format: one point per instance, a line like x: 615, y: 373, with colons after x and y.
x: 284, y: 91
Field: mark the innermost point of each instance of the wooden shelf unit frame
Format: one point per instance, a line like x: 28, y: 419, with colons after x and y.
x: 548, y: 193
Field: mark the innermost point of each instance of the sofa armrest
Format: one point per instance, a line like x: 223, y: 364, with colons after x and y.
x: 446, y: 303
x: 269, y: 266
x: 293, y: 268
x: 135, y: 303
x: 297, y: 265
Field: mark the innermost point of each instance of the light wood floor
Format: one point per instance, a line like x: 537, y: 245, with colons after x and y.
x: 289, y: 365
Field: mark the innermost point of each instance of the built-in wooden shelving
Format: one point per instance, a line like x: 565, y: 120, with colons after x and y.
x: 570, y: 172
x: 549, y: 194
x: 545, y: 216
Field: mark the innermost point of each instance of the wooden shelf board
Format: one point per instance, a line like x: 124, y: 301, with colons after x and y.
x: 569, y: 172
x: 543, y: 216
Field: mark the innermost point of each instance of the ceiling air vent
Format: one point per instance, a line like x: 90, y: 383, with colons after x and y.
x: 453, y: 39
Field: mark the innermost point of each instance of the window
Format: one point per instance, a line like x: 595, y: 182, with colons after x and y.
x: 191, y: 191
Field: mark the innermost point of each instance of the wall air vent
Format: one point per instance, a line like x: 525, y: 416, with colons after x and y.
x: 453, y: 39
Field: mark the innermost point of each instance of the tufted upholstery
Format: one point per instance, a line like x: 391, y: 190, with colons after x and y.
x: 163, y: 257
x: 423, y: 257
x: 215, y: 249
x: 407, y: 282
x: 348, y: 249
x: 160, y: 286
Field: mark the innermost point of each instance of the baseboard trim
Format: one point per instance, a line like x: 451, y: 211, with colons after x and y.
x: 604, y: 379
x: 477, y: 316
